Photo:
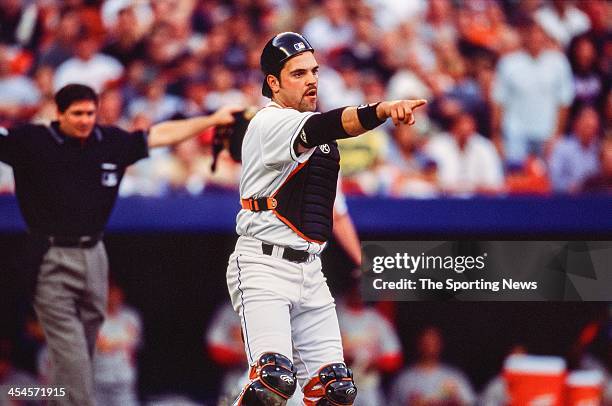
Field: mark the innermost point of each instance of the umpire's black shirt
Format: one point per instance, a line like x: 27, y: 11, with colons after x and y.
x: 67, y: 186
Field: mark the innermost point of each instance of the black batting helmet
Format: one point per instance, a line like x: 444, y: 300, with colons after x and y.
x: 279, y: 50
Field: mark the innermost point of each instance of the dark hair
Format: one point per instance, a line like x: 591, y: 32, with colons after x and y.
x: 573, y: 46
x: 72, y: 93
x: 266, y: 89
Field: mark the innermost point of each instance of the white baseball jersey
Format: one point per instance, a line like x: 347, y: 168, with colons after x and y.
x: 268, y: 158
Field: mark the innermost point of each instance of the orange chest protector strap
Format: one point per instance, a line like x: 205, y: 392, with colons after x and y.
x: 305, y: 201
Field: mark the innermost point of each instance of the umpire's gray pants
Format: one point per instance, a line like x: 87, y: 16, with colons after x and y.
x: 70, y: 301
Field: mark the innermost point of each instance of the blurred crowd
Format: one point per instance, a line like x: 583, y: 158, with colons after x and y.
x: 518, y: 90
x: 519, y: 103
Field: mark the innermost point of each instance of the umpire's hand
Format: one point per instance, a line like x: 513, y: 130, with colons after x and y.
x: 225, y: 115
x: 400, y: 111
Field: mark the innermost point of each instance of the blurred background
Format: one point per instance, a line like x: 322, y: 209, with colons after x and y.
x: 515, y: 143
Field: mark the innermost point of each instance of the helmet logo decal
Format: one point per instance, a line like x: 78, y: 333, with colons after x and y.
x: 324, y: 148
x: 299, y: 46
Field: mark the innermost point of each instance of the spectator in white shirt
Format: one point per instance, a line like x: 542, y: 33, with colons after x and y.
x: 330, y: 30
x: 156, y: 103
x: 88, y: 67
x: 390, y: 13
x: 467, y: 162
x: 532, y: 93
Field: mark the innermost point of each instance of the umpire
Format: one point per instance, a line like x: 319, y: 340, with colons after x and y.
x: 67, y: 176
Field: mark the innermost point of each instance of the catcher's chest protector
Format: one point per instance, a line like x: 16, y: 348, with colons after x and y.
x: 305, y: 202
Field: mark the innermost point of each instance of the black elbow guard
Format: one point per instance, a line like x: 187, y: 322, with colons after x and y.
x: 322, y: 129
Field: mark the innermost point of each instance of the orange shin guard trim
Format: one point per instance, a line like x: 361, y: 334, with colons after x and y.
x: 314, y: 389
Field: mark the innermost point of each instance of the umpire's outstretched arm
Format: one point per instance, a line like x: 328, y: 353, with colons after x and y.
x: 176, y: 131
x: 349, y: 122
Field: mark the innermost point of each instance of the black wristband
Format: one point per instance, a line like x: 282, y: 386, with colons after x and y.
x: 367, y: 116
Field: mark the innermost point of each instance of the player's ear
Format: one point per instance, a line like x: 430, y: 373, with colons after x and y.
x: 273, y: 82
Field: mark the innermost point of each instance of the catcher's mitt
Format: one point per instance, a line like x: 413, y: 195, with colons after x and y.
x: 230, y: 137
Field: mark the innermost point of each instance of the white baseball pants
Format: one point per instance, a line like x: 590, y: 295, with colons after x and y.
x: 284, y: 307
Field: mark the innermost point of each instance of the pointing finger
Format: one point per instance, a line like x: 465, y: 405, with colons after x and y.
x: 418, y: 103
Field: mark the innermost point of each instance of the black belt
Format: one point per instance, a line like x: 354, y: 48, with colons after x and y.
x: 288, y: 253
x: 65, y: 241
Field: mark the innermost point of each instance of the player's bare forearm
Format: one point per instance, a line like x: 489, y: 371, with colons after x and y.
x: 346, y: 235
x: 175, y: 131
x: 400, y: 111
x: 350, y: 122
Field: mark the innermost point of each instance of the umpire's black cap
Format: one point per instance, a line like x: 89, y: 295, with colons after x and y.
x: 277, y: 51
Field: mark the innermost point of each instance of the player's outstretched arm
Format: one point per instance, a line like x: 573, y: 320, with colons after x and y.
x: 174, y: 131
x: 352, y: 121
